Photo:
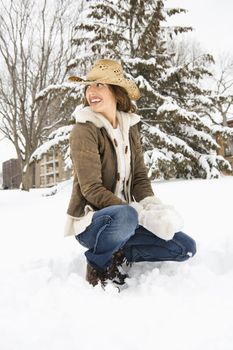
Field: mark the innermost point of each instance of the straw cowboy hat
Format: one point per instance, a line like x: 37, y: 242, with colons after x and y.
x: 110, y: 72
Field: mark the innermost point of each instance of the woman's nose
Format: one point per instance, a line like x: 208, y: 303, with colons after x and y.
x: 92, y: 87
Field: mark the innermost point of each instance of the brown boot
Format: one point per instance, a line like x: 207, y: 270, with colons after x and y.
x: 118, y: 258
x: 93, y: 276
x: 114, y: 273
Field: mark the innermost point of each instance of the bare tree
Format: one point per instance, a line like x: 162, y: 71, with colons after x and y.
x: 222, y: 97
x: 35, y: 47
x: 220, y: 82
x: 185, y: 50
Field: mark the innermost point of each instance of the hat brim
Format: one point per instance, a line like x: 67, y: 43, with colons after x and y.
x: 128, y: 85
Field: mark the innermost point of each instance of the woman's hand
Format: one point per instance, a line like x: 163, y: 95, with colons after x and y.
x: 161, y: 219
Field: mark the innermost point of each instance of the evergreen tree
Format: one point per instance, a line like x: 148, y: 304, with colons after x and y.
x: 177, y: 140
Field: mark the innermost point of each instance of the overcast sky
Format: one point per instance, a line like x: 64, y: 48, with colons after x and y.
x: 212, y: 21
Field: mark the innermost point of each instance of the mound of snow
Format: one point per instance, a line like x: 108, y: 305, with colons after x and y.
x: 46, y: 303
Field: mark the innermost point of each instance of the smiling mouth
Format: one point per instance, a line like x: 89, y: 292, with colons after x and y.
x: 95, y: 100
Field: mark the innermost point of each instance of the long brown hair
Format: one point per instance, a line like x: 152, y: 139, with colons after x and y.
x: 124, y: 103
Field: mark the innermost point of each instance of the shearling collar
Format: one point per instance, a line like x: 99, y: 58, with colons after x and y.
x: 126, y: 120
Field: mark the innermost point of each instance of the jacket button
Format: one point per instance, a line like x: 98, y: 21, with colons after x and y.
x: 126, y: 149
x: 118, y: 176
x: 115, y: 142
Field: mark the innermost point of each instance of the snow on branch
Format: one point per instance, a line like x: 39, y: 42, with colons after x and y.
x: 56, y: 138
x: 60, y: 132
x: 169, y: 72
x: 204, y: 100
x: 154, y: 131
x: 137, y: 60
x: 180, y: 144
x: 192, y: 118
x: 66, y: 86
x: 143, y: 83
x: 210, y: 164
x: 191, y: 132
x: 224, y: 130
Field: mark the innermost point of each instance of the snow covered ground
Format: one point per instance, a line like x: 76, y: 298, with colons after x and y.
x: 45, y: 302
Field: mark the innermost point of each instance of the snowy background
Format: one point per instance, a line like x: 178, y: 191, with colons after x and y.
x: 213, y: 27
x: 46, y: 303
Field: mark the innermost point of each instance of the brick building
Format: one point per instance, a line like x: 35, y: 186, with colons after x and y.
x: 11, y: 173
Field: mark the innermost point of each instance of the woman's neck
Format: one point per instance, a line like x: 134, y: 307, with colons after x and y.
x: 112, y: 118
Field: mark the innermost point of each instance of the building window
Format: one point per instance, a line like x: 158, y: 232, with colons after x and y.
x: 42, y: 181
x: 49, y: 170
x: 228, y: 151
x: 42, y: 169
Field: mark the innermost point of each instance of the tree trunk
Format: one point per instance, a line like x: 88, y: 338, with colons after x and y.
x: 27, y: 177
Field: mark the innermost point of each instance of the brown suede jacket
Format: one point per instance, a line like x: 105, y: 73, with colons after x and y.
x: 94, y: 156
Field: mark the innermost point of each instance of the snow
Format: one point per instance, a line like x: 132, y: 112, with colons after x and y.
x: 156, y: 131
x: 183, y: 145
x: 65, y: 86
x: 224, y: 129
x: 46, y: 303
x: 139, y: 60
x: 57, y: 137
x: 167, y: 107
x: 201, y: 135
x: 143, y: 83
x: 204, y: 100
x: 170, y: 71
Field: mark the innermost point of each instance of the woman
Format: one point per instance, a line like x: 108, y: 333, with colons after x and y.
x: 113, y: 211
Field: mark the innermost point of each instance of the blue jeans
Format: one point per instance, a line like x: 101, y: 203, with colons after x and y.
x: 116, y: 227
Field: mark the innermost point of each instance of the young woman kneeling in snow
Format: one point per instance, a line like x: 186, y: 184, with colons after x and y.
x: 113, y: 211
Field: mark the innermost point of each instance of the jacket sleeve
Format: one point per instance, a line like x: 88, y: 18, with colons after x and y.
x: 87, y: 166
x: 141, y: 186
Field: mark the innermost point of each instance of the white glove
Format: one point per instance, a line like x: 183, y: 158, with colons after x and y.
x: 149, y: 201
x: 162, y: 220
x: 144, y: 203
x: 138, y: 207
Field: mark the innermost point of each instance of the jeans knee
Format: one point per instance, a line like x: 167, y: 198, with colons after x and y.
x: 131, y: 213
x: 126, y: 215
x: 192, y: 247
x: 187, y: 243
x: 126, y: 219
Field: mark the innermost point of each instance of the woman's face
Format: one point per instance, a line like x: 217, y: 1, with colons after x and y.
x: 100, y: 98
